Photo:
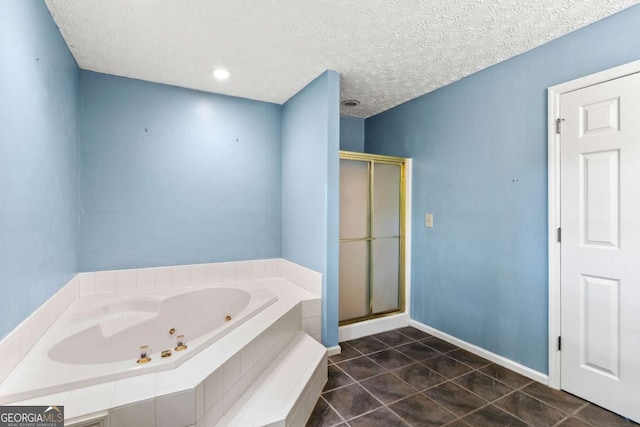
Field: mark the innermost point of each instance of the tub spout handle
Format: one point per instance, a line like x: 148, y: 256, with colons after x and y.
x: 181, y: 343
x: 144, y: 355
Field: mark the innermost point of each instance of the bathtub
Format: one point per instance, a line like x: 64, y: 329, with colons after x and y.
x: 99, y: 338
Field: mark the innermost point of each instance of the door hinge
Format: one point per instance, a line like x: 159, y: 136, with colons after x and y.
x: 559, y: 343
x: 559, y: 125
x: 559, y: 234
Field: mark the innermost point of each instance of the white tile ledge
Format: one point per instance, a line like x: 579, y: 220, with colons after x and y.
x: 287, y: 391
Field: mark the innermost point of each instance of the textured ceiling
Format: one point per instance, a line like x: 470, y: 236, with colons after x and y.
x: 387, y: 52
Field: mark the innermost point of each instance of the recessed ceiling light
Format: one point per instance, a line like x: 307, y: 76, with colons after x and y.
x: 350, y: 103
x: 221, y: 74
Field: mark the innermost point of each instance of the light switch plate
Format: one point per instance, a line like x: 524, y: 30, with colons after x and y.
x: 428, y: 220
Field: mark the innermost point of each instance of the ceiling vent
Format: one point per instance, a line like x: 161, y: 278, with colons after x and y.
x: 350, y: 103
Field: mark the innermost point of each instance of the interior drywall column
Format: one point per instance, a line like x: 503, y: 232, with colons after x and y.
x: 331, y: 292
x: 39, y: 108
x: 310, y: 143
x: 480, y: 166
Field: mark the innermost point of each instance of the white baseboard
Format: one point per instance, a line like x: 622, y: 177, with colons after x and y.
x: 495, y: 358
x: 373, y: 326
x: 332, y: 351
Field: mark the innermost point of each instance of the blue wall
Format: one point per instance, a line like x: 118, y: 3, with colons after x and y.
x: 102, y: 172
x: 174, y: 176
x: 310, y: 143
x: 352, y: 133
x: 38, y: 160
x: 480, y: 166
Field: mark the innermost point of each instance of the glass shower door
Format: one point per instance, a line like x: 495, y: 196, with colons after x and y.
x: 354, y: 243
x: 371, y: 236
x: 385, y: 230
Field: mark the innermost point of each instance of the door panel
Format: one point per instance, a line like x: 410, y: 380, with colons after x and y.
x: 600, y: 249
x: 354, y: 199
x: 600, y: 117
x: 601, y: 331
x: 600, y: 190
x: 354, y: 279
x: 386, y: 200
x: 385, y: 283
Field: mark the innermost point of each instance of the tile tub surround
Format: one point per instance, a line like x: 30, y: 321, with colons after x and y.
x: 210, y: 382
x: 97, y: 339
x: 15, y: 346
x: 263, y: 336
x: 408, y: 378
x: 195, y: 275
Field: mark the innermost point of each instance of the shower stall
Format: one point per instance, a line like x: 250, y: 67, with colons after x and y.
x: 372, y: 236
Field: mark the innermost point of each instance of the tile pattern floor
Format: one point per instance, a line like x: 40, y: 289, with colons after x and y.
x: 409, y: 378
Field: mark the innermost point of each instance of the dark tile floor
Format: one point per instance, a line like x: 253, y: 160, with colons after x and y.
x: 408, y: 378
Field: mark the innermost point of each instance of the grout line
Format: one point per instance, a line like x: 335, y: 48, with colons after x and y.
x: 334, y: 410
x: 367, y: 412
x: 337, y: 388
x: 509, y: 412
x: 555, y: 407
x: 498, y: 408
x: 474, y: 411
x: 572, y: 414
x: 394, y: 412
x: 561, y: 421
x: 494, y: 379
x: 460, y: 361
x: 421, y: 392
x: 365, y: 389
x: 416, y: 339
x: 438, y: 404
x: 398, y: 415
x: 461, y: 418
x: 515, y: 390
x: 416, y: 391
x: 513, y: 415
x: 476, y: 394
x: 384, y: 371
x: 463, y: 388
x: 452, y: 378
x: 407, y: 382
x: 350, y: 384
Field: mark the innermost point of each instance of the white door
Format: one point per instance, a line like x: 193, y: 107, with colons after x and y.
x: 600, y: 255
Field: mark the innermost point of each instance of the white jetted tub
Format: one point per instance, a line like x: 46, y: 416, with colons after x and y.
x: 99, y: 338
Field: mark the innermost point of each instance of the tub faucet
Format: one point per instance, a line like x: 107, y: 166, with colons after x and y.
x: 180, y: 343
x: 144, y: 355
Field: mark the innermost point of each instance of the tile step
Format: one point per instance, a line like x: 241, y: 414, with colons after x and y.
x: 284, y: 395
